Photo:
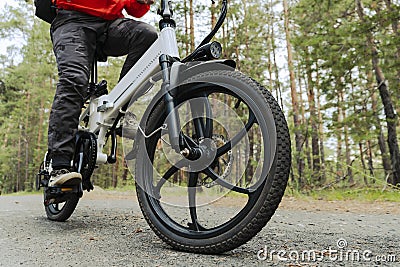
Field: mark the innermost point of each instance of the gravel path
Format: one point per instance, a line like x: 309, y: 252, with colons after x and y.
x: 107, y: 229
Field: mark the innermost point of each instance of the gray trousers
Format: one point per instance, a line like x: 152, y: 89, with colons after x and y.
x: 75, y: 37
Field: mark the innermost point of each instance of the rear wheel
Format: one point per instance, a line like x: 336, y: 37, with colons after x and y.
x: 221, y: 198
x: 60, y: 206
x: 62, y: 211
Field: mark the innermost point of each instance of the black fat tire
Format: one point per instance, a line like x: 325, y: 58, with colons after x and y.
x: 268, y: 200
x: 65, y: 212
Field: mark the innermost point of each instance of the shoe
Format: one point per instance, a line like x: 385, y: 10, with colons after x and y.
x: 64, y: 177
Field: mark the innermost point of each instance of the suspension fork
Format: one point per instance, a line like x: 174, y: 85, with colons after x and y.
x: 172, y: 120
x: 202, y: 117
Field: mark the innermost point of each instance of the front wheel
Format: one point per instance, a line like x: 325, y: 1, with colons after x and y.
x: 218, y: 197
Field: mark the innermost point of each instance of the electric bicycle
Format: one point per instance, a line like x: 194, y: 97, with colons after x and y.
x: 198, y: 136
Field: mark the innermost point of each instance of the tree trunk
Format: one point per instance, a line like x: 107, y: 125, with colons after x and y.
x: 305, y: 150
x: 237, y: 52
x: 26, y: 139
x: 381, y: 138
x: 246, y: 27
x: 275, y: 65
x: 360, y: 144
x: 17, y: 188
x: 213, y: 19
x: 391, y: 121
x: 191, y: 19
x: 5, y: 140
x: 268, y: 40
x: 370, y: 158
x: 320, y: 131
x: 125, y: 173
x: 40, y: 129
x: 391, y: 117
x: 316, y: 163
x: 299, y: 139
x: 250, y: 156
x: 395, y: 28
x: 360, y: 147
x: 346, y: 142
x: 339, y: 156
x: 185, y: 9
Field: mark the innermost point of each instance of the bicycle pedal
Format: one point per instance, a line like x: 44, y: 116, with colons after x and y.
x: 66, y: 189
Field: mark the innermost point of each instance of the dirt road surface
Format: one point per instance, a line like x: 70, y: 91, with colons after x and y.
x: 107, y: 229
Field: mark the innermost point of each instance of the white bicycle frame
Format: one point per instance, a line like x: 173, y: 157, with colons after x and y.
x: 102, y: 111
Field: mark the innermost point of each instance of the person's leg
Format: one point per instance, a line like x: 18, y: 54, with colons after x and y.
x: 74, y: 47
x: 128, y: 37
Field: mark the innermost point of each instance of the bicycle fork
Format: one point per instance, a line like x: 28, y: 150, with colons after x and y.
x: 168, y: 93
x: 190, y: 151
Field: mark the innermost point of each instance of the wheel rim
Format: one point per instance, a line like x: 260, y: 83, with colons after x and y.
x: 55, y: 209
x: 193, y: 226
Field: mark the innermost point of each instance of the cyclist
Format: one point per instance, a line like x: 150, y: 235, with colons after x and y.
x: 81, y: 29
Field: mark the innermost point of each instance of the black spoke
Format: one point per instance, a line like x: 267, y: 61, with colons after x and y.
x: 236, y: 139
x: 171, y: 171
x: 199, y: 126
x: 215, y: 177
x: 192, y: 186
x: 202, y: 127
x: 189, y: 141
x: 196, y: 108
x: 209, y: 120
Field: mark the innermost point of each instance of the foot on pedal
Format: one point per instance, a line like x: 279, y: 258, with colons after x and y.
x: 64, y: 177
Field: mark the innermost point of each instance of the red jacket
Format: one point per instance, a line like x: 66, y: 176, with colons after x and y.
x: 106, y: 9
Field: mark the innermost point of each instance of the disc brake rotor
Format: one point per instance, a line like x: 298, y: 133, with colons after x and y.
x: 223, y: 166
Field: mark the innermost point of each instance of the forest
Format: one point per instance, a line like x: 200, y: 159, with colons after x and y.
x: 333, y: 66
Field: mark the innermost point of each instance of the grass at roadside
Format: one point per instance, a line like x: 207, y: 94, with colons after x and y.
x: 24, y: 193
x: 359, y: 194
